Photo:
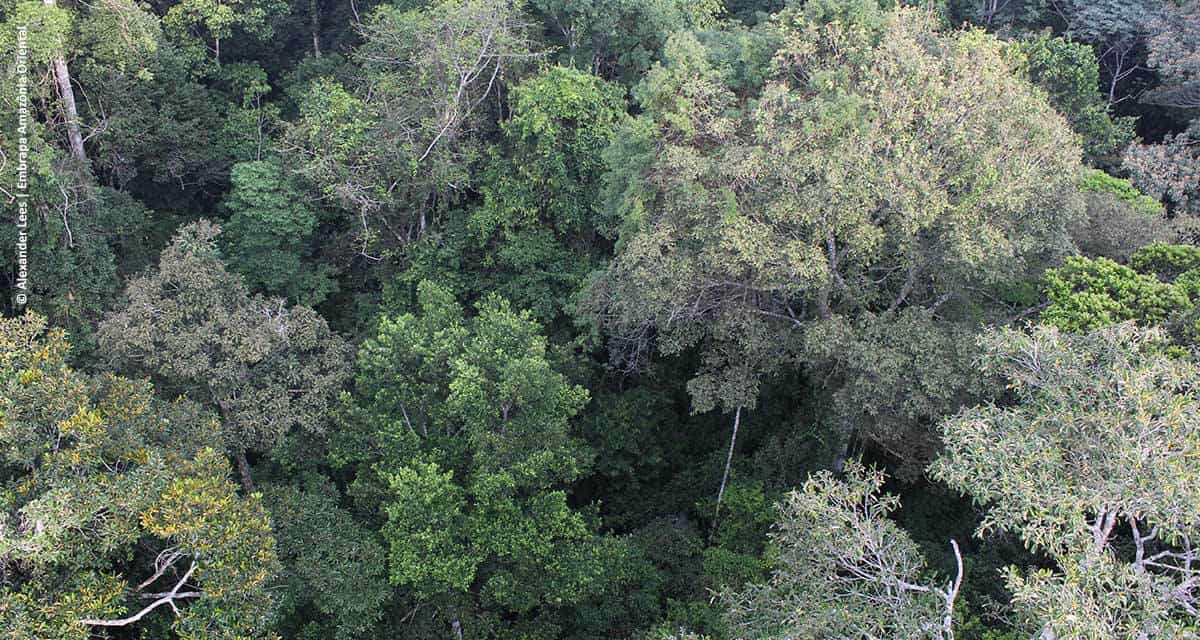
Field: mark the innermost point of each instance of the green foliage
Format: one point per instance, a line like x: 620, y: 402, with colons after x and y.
x: 844, y: 570
x: 332, y: 565
x: 736, y: 552
x: 269, y: 233
x: 540, y: 227
x: 895, y: 375
x: 1102, y: 430
x: 829, y: 192
x: 1085, y: 294
x: 215, y: 20
x: 1097, y: 181
x: 397, y: 152
x: 467, y: 445
x: 194, y: 328
x: 619, y: 39
x: 807, y: 211
x: 1068, y: 72
x: 1119, y: 219
x: 111, y: 495
x: 1167, y: 261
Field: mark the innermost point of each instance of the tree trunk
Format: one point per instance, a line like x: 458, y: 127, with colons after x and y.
x: 314, y: 10
x: 62, y: 78
x: 737, y: 419
x: 244, y: 469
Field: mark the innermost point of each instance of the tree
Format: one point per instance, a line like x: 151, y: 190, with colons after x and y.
x: 1174, y: 53
x: 1117, y: 29
x: 1160, y: 287
x: 397, y: 150
x: 117, y: 506
x: 1093, y: 463
x: 540, y: 227
x: 70, y: 223
x: 215, y: 20
x: 1170, y: 172
x: 894, y: 375
x: 332, y: 566
x: 749, y: 219
x: 464, y: 443
x: 193, y: 328
x: 268, y: 233
x: 844, y: 570
x: 66, y: 94
x: 1068, y: 71
x: 619, y: 39
x: 1119, y: 219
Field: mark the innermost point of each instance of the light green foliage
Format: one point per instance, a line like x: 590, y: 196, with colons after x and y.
x: 540, y: 227
x: 269, y: 232
x: 335, y: 122
x: 883, y: 165
x: 1160, y: 287
x: 425, y: 524
x: 1087, y: 293
x: 103, y: 487
x: 1167, y: 261
x: 194, y: 328
x: 332, y: 565
x: 1097, y: 181
x: 1103, y: 431
x: 1069, y: 73
x: 843, y: 569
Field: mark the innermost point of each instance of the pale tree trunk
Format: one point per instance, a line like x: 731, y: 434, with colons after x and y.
x: 62, y: 77
x: 314, y: 10
x: 737, y: 419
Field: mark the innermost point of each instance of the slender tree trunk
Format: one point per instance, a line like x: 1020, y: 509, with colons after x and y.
x: 314, y: 10
x: 62, y: 78
x: 737, y: 419
x: 244, y: 469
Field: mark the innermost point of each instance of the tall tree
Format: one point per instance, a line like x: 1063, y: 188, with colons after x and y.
x: 464, y: 443
x: 619, y: 39
x: 397, y: 149
x: 66, y: 94
x: 540, y: 229
x: 117, y: 508
x: 751, y: 217
x: 269, y: 234
x: 845, y: 570
x: 212, y: 21
x: 193, y: 327
x: 1094, y: 464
